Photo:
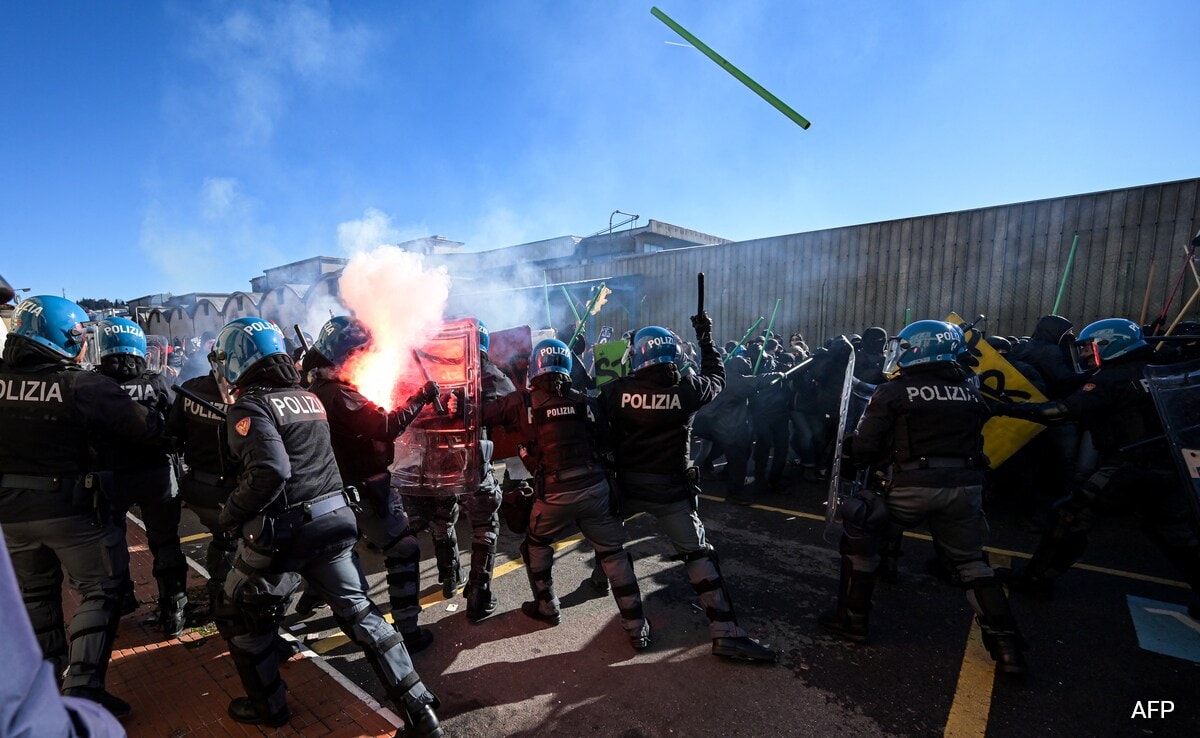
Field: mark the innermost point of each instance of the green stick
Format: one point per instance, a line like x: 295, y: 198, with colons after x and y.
x: 591, y: 304
x: 769, y: 327
x: 570, y: 301
x: 907, y: 316
x: 738, y: 74
x: 748, y: 332
x: 1066, y: 273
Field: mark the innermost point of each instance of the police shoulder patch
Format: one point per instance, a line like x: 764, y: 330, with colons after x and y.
x: 1088, y: 387
x: 243, y: 427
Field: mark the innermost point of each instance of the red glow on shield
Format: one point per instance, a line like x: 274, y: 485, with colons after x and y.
x: 401, y: 302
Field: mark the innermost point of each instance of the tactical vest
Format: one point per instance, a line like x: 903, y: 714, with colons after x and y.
x: 207, y: 448
x: 1133, y: 418
x: 653, y: 426
x: 358, y: 457
x: 149, y: 391
x: 41, y: 430
x: 303, y: 426
x: 560, y: 426
x: 936, y: 418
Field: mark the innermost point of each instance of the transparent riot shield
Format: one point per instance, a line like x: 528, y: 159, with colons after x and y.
x: 1176, y: 392
x: 91, y: 355
x: 156, y: 353
x: 855, y: 395
x: 440, y: 454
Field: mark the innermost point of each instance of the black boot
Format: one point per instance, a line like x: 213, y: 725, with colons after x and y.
x: 417, y: 640
x: 449, y: 567
x: 481, y: 602
x: 420, y: 720
x: 266, y: 700
x: 172, y: 599
x: 744, y: 648
x: 309, y: 603
x: 999, y: 627
x: 117, y: 706
x: 850, y: 620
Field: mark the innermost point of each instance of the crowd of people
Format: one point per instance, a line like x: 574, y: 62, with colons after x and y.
x: 284, y: 460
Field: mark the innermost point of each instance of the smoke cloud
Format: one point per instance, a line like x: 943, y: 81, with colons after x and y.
x: 401, y: 301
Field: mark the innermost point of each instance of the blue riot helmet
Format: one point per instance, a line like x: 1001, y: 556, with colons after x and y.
x: 1104, y: 341
x: 53, y: 323
x: 121, y: 336
x: 923, y: 342
x: 485, y: 336
x: 340, y: 337
x: 653, y: 345
x: 550, y: 355
x: 240, y: 345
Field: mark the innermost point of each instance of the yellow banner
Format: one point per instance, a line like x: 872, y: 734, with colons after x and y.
x: 1002, y: 436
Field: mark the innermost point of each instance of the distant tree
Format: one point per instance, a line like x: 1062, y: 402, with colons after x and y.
x: 91, y: 303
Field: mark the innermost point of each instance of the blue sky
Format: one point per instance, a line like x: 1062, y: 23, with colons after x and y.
x: 186, y: 146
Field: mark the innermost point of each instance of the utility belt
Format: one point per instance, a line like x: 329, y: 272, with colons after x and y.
x: 58, y: 483
x: 310, y: 510
x: 661, y: 488
x: 274, y: 530
x: 936, y: 462
x: 575, y: 472
x: 85, y: 494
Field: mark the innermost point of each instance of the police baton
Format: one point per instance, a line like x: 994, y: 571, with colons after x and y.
x: 199, y: 400
x: 300, y: 337
x: 700, y: 293
x: 437, y: 401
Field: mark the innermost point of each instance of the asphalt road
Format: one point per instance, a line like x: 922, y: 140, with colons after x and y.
x: 924, y: 673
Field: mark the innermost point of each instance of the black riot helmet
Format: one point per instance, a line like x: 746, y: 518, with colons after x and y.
x: 874, y: 339
x: 1053, y: 329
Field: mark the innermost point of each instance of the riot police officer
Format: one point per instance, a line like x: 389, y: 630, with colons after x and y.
x: 650, y: 415
x: 52, y: 510
x: 363, y: 434
x: 571, y: 486
x: 1116, y: 406
x: 199, y: 434
x: 927, y: 426
x: 293, y: 517
x: 141, y: 472
x: 482, y: 507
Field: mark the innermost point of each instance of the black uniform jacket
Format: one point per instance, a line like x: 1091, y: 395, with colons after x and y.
x: 649, y: 424
x: 930, y: 412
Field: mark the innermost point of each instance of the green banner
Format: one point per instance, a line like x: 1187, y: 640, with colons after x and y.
x: 608, y: 361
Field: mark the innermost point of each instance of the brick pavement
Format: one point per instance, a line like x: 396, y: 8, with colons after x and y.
x: 181, y: 687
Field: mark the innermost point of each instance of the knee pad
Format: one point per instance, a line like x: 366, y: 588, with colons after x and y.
x: 864, y: 515
x: 404, y: 548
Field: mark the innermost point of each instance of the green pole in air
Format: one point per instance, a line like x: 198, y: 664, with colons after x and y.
x: 738, y: 74
x: 1066, y: 273
x: 769, y: 327
x: 907, y: 316
x: 744, y: 338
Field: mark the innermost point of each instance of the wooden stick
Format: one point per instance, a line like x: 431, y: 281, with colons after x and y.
x: 1186, y: 307
x: 1146, y: 297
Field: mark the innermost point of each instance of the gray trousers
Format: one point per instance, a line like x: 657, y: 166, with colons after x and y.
x: 260, y: 587
x: 588, y: 509
x: 389, y: 531
x: 97, y: 565
x: 682, y: 525
x: 153, y: 491
x: 956, y: 520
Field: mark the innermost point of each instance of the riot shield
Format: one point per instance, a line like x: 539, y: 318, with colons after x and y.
x: 1176, y: 392
x: 510, y: 350
x: 440, y: 454
x: 839, y: 488
x: 156, y: 353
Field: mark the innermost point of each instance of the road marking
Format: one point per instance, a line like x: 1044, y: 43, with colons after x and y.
x: 1177, y: 616
x: 973, y: 695
x: 333, y: 642
x: 196, y: 537
x: 994, y: 551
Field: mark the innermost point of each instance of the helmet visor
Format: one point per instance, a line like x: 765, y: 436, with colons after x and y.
x: 892, y: 352
x: 217, y: 360
x: 1085, y: 356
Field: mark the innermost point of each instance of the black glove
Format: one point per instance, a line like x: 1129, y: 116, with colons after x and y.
x: 1045, y: 413
x: 428, y: 393
x: 703, y: 326
x: 231, y: 519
